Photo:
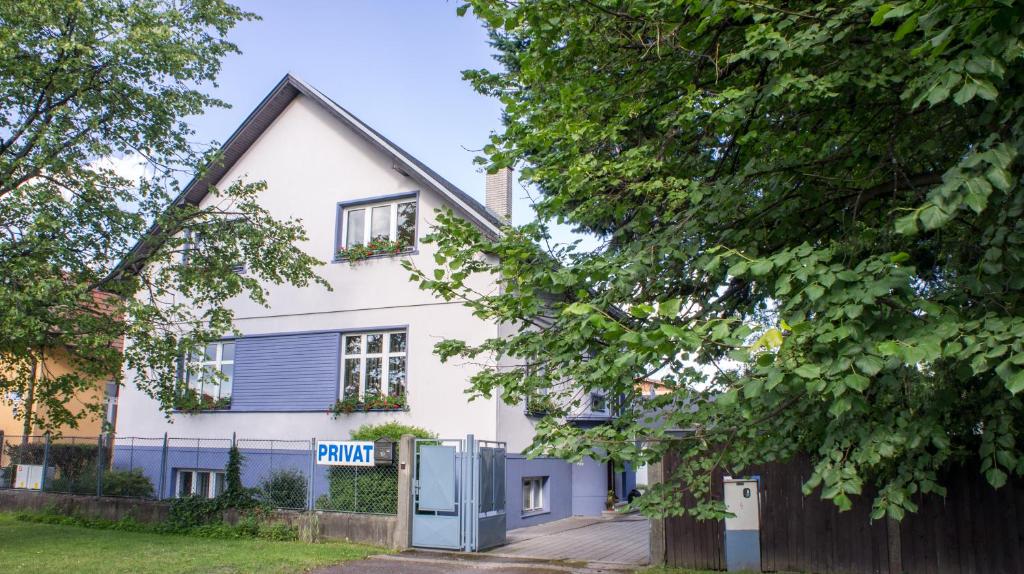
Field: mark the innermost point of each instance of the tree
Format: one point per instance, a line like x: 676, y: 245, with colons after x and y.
x: 88, y: 86
x: 809, y: 227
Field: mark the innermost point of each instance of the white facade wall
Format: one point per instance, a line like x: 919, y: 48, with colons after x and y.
x: 311, y: 162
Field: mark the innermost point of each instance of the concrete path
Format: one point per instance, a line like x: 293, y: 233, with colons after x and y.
x: 427, y: 562
x: 605, y: 541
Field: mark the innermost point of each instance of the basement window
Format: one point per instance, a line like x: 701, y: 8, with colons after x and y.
x: 199, y: 482
x: 533, y: 493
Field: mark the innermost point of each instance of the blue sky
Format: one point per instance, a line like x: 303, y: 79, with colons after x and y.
x: 395, y: 64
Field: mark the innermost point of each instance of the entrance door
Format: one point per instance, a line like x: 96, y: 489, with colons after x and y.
x: 458, y: 494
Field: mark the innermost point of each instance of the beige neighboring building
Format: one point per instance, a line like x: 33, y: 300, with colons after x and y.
x: 55, y: 364
x: 104, y: 392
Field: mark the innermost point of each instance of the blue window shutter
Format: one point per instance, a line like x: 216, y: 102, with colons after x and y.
x: 286, y: 373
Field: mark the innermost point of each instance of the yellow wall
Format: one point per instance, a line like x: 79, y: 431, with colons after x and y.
x: 56, y: 364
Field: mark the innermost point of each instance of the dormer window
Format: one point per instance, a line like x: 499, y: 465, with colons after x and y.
x: 194, y: 242
x: 376, y: 227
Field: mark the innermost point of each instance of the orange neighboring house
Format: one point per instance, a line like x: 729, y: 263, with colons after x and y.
x: 652, y: 388
x: 57, y: 362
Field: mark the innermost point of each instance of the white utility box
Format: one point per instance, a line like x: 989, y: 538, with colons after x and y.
x: 30, y: 476
x: 742, y: 530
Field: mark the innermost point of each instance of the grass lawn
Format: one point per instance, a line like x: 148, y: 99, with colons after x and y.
x: 44, y: 548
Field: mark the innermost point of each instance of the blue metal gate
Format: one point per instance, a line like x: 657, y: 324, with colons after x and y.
x: 458, y: 494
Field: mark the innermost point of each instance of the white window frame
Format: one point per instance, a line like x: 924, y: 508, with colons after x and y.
x: 384, y: 355
x: 603, y: 398
x: 534, y: 485
x: 197, y: 368
x: 211, y: 491
x: 111, y: 399
x: 367, y: 223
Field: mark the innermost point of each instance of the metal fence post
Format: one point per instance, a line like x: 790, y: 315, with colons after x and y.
x: 467, y: 508
x: 99, y: 465
x: 46, y: 460
x: 311, y: 482
x: 2, y: 444
x: 163, y: 469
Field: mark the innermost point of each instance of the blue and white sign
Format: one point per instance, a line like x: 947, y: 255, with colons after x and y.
x: 344, y: 453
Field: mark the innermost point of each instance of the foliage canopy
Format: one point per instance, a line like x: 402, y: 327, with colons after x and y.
x: 809, y: 230
x: 94, y: 95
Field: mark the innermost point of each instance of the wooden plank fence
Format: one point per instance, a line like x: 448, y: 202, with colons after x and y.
x: 975, y: 529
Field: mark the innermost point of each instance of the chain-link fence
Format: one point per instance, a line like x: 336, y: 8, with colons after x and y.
x: 278, y: 470
x: 281, y: 473
x: 372, y: 490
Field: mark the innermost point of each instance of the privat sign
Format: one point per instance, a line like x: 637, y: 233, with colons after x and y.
x: 345, y: 453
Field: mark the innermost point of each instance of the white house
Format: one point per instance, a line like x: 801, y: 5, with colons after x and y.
x: 373, y: 334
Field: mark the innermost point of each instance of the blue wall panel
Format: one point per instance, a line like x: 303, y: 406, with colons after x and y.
x: 589, y: 487
x: 286, y: 373
x: 557, y: 491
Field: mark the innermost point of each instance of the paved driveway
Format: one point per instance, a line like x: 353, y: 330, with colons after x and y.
x: 427, y: 562
x: 583, y: 545
x: 606, y: 541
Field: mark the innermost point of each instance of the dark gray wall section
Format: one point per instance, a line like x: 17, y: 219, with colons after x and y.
x: 286, y: 373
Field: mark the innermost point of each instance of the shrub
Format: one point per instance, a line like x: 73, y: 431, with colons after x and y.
x: 235, y: 495
x: 354, y: 489
x: 390, y: 430
x: 284, y: 489
x: 127, y: 483
x: 191, y: 511
x: 247, y: 527
x: 81, y: 480
x: 70, y: 460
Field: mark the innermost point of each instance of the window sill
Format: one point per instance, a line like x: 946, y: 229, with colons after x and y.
x: 533, y: 513
x: 200, y: 411
x: 375, y: 256
x: 361, y: 410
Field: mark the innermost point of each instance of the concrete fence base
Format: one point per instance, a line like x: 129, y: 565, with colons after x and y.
x: 375, y: 529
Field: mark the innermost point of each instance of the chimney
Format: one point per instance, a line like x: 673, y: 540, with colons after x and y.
x: 499, y: 193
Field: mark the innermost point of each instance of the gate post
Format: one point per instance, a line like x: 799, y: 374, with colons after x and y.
x: 656, y: 475
x: 470, y: 483
x: 406, y: 458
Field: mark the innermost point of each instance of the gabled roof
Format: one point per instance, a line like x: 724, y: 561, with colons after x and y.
x: 271, y: 107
